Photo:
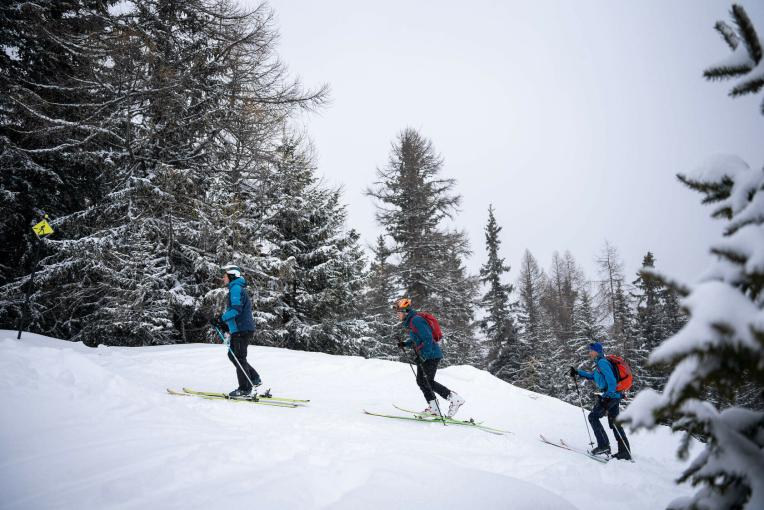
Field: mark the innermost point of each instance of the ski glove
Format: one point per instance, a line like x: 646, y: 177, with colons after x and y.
x: 219, y: 323
x: 573, y: 372
x: 401, y: 345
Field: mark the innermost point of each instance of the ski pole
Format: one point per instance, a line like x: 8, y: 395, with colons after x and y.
x: 427, y: 382
x: 583, y: 413
x: 622, y: 440
x: 222, y: 338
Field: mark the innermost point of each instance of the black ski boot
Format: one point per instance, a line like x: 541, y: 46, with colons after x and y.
x: 239, y: 393
x: 622, y: 455
x: 601, y: 450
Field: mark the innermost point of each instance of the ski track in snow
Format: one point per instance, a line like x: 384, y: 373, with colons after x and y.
x: 94, y: 428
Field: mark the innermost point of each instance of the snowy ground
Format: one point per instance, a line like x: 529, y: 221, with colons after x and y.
x: 93, y: 428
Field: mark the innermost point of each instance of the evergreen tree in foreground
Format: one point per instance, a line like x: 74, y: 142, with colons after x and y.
x: 722, y: 345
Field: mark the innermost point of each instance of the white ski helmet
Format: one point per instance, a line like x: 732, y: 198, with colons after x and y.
x: 232, y: 270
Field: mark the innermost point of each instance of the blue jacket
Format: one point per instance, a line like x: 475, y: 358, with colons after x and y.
x: 603, y: 377
x: 420, y: 336
x: 238, y: 314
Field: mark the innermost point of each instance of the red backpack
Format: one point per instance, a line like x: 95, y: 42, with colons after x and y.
x: 437, y: 333
x: 622, y: 372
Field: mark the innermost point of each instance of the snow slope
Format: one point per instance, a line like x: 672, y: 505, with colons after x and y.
x: 93, y: 428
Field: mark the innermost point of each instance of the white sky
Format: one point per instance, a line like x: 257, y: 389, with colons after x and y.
x: 572, y: 118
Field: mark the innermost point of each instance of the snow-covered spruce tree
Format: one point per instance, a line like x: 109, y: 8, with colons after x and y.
x: 454, y: 299
x: 497, y: 324
x: 413, y: 202
x: 536, y: 341
x: 564, y: 280
x: 623, y: 332
x: 721, y: 348
x: 586, y: 327
x: 55, y: 116
x: 650, y: 324
x: 380, y: 294
x: 137, y: 264
x: 313, y: 299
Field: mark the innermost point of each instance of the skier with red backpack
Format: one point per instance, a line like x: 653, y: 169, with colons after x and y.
x: 613, y: 376
x: 425, y: 336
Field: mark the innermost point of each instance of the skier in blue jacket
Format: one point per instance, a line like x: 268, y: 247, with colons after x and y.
x: 608, y: 403
x: 238, y: 321
x: 428, y: 355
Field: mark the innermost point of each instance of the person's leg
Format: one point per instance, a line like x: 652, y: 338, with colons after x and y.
x: 429, y: 396
x: 239, y: 350
x: 594, y: 419
x: 430, y: 368
x: 618, y: 432
x: 253, y: 375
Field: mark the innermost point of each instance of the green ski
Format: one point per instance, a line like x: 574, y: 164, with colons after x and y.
x: 265, y: 396
x: 448, y: 420
x: 437, y: 419
x: 223, y: 396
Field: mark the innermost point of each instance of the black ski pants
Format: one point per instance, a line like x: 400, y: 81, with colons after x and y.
x: 425, y: 378
x: 238, y: 352
x: 609, y: 407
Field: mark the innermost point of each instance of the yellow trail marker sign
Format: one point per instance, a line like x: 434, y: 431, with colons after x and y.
x: 43, y: 229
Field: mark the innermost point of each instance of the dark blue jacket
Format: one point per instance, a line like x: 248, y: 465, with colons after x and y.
x: 238, y: 314
x: 420, y: 336
x: 603, y: 377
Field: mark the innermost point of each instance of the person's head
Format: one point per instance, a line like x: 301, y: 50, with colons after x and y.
x: 595, y: 350
x: 230, y: 273
x: 402, y: 306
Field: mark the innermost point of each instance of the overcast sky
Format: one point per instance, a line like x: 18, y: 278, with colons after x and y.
x: 572, y: 118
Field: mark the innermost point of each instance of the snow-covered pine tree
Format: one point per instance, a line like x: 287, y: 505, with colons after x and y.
x: 413, y: 202
x: 497, y: 324
x: 378, y: 299
x: 673, y: 318
x: 54, y: 121
x: 623, y: 332
x: 585, y: 325
x: 649, y: 329
x: 586, y: 329
x: 185, y: 77
x: 313, y: 298
x: 536, y: 341
x: 559, y: 297
x: 454, y: 301
x: 722, y: 345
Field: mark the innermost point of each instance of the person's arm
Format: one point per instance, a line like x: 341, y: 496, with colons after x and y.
x: 235, y: 309
x: 421, y: 331
x: 610, y: 380
x: 585, y: 374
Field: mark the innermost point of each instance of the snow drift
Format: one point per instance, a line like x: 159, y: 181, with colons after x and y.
x: 94, y: 428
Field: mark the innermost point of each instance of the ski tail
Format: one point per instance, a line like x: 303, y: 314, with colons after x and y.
x: 565, y: 446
